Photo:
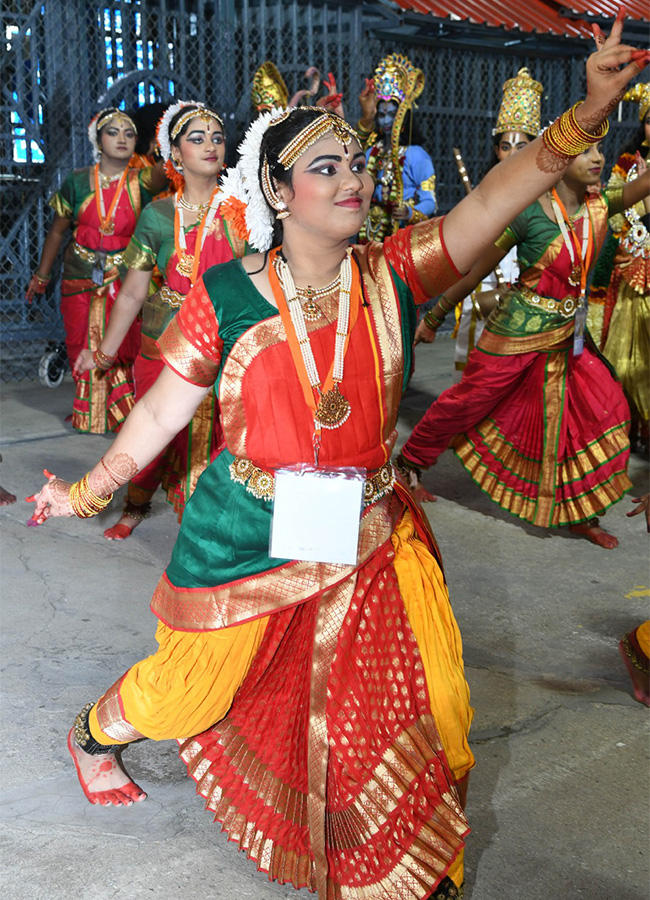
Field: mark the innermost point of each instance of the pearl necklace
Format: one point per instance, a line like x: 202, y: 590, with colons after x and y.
x: 333, y: 408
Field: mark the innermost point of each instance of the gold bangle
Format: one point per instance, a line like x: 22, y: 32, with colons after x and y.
x: 84, y: 501
x: 42, y: 279
x: 566, y: 138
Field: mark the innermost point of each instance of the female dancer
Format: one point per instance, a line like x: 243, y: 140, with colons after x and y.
x: 183, y: 235
x: 101, y: 204
x: 342, y: 758
x: 537, y: 419
x: 625, y: 339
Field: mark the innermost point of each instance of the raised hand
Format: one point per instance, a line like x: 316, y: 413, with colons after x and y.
x: 609, y: 70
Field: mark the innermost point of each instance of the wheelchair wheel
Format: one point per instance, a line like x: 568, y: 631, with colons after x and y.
x: 52, y: 366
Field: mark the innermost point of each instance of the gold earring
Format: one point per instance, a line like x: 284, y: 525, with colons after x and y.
x: 281, y: 210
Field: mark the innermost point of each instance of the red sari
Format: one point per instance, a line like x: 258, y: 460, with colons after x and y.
x: 102, y: 399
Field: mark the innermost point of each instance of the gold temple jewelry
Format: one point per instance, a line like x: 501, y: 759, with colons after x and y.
x: 120, y: 117
x: 323, y: 124
x: 195, y: 112
x: 309, y: 295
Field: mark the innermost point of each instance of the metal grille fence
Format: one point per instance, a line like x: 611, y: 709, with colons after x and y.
x: 64, y: 61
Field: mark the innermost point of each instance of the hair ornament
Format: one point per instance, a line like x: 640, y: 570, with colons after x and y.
x: 163, y: 136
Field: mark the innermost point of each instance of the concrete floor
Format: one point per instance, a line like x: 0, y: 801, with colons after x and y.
x: 559, y: 798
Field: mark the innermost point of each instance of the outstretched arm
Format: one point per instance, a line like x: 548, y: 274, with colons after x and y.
x: 152, y: 423
x: 639, y: 189
x: 518, y: 181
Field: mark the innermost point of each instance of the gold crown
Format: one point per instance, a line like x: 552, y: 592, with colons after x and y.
x: 269, y: 90
x: 521, y: 105
x: 640, y: 94
x: 396, y: 78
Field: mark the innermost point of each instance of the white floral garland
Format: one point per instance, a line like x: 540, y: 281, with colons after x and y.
x: 242, y: 183
x: 162, y: 131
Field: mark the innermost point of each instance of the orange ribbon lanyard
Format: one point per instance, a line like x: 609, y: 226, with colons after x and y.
x: 586, y: 262
x: 180, y: 251
x: 292, y: 338
x: 104, y: 220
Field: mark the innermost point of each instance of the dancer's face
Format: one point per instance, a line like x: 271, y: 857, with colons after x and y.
x: 510, y: 142
x: 586, y: 169
x: 202, y: 148
x: 331, y: 190
x: 117, y: 140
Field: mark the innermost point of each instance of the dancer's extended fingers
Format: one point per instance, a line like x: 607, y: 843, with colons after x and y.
x: 48, y: 475
x: 599, y: 37
x: 614, y: 36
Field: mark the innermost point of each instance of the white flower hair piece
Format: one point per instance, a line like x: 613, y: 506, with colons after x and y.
x: 242, y: 183
x: 162, y: 131
x: 92, y: 128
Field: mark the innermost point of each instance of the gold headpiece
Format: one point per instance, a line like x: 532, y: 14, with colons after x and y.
x: 396, y: 78
x: 202, y: 112
x: 324, y: 122
x: 116, y: 115
x: 521, y: 105
x: 269, y: 90
x: 640, y: 94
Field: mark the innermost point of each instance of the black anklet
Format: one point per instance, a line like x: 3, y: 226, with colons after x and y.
x: 84, y: 738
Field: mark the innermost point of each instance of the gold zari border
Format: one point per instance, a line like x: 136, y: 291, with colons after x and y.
x: 210, y: 608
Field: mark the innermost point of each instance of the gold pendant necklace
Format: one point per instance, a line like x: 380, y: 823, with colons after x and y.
x: 309, y: 295
x: 185, y: 265
x: 332, y: 410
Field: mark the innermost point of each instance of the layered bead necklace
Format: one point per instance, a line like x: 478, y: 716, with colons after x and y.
x: 329, y: 406
x: 188, y: 264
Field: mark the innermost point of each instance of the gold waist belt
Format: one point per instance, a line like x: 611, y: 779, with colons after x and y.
x: 171, y: 298
x: 112, y: 259
x: 566, y: 307
x: 261, y: 484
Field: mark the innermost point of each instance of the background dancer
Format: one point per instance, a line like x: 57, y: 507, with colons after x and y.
x: 518, y: 123
x: 102, y: 205
x: 405, y: 178
x: 537, y: 419
x: 182, y: 235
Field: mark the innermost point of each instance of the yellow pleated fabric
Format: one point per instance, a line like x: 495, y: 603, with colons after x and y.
x: 429, y: 611
x: 426, y: 600
x: 643, y: 637
x: 189, y: 683
x: 628, y: 348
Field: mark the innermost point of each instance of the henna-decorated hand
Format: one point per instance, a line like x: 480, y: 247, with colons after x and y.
x: 52, y: 500
x: 609, y: 70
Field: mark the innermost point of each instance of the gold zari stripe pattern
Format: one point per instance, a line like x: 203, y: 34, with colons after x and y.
x: 261, y: 484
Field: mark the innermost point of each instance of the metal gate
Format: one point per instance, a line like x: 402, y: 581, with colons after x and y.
x: 66, y: 60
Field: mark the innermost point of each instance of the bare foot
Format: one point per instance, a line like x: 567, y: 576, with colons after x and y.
x: 122, y: 529
x: 640, y: 680
x: 6, y: 499
x: 102, y: 779
x: 596, y: 535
